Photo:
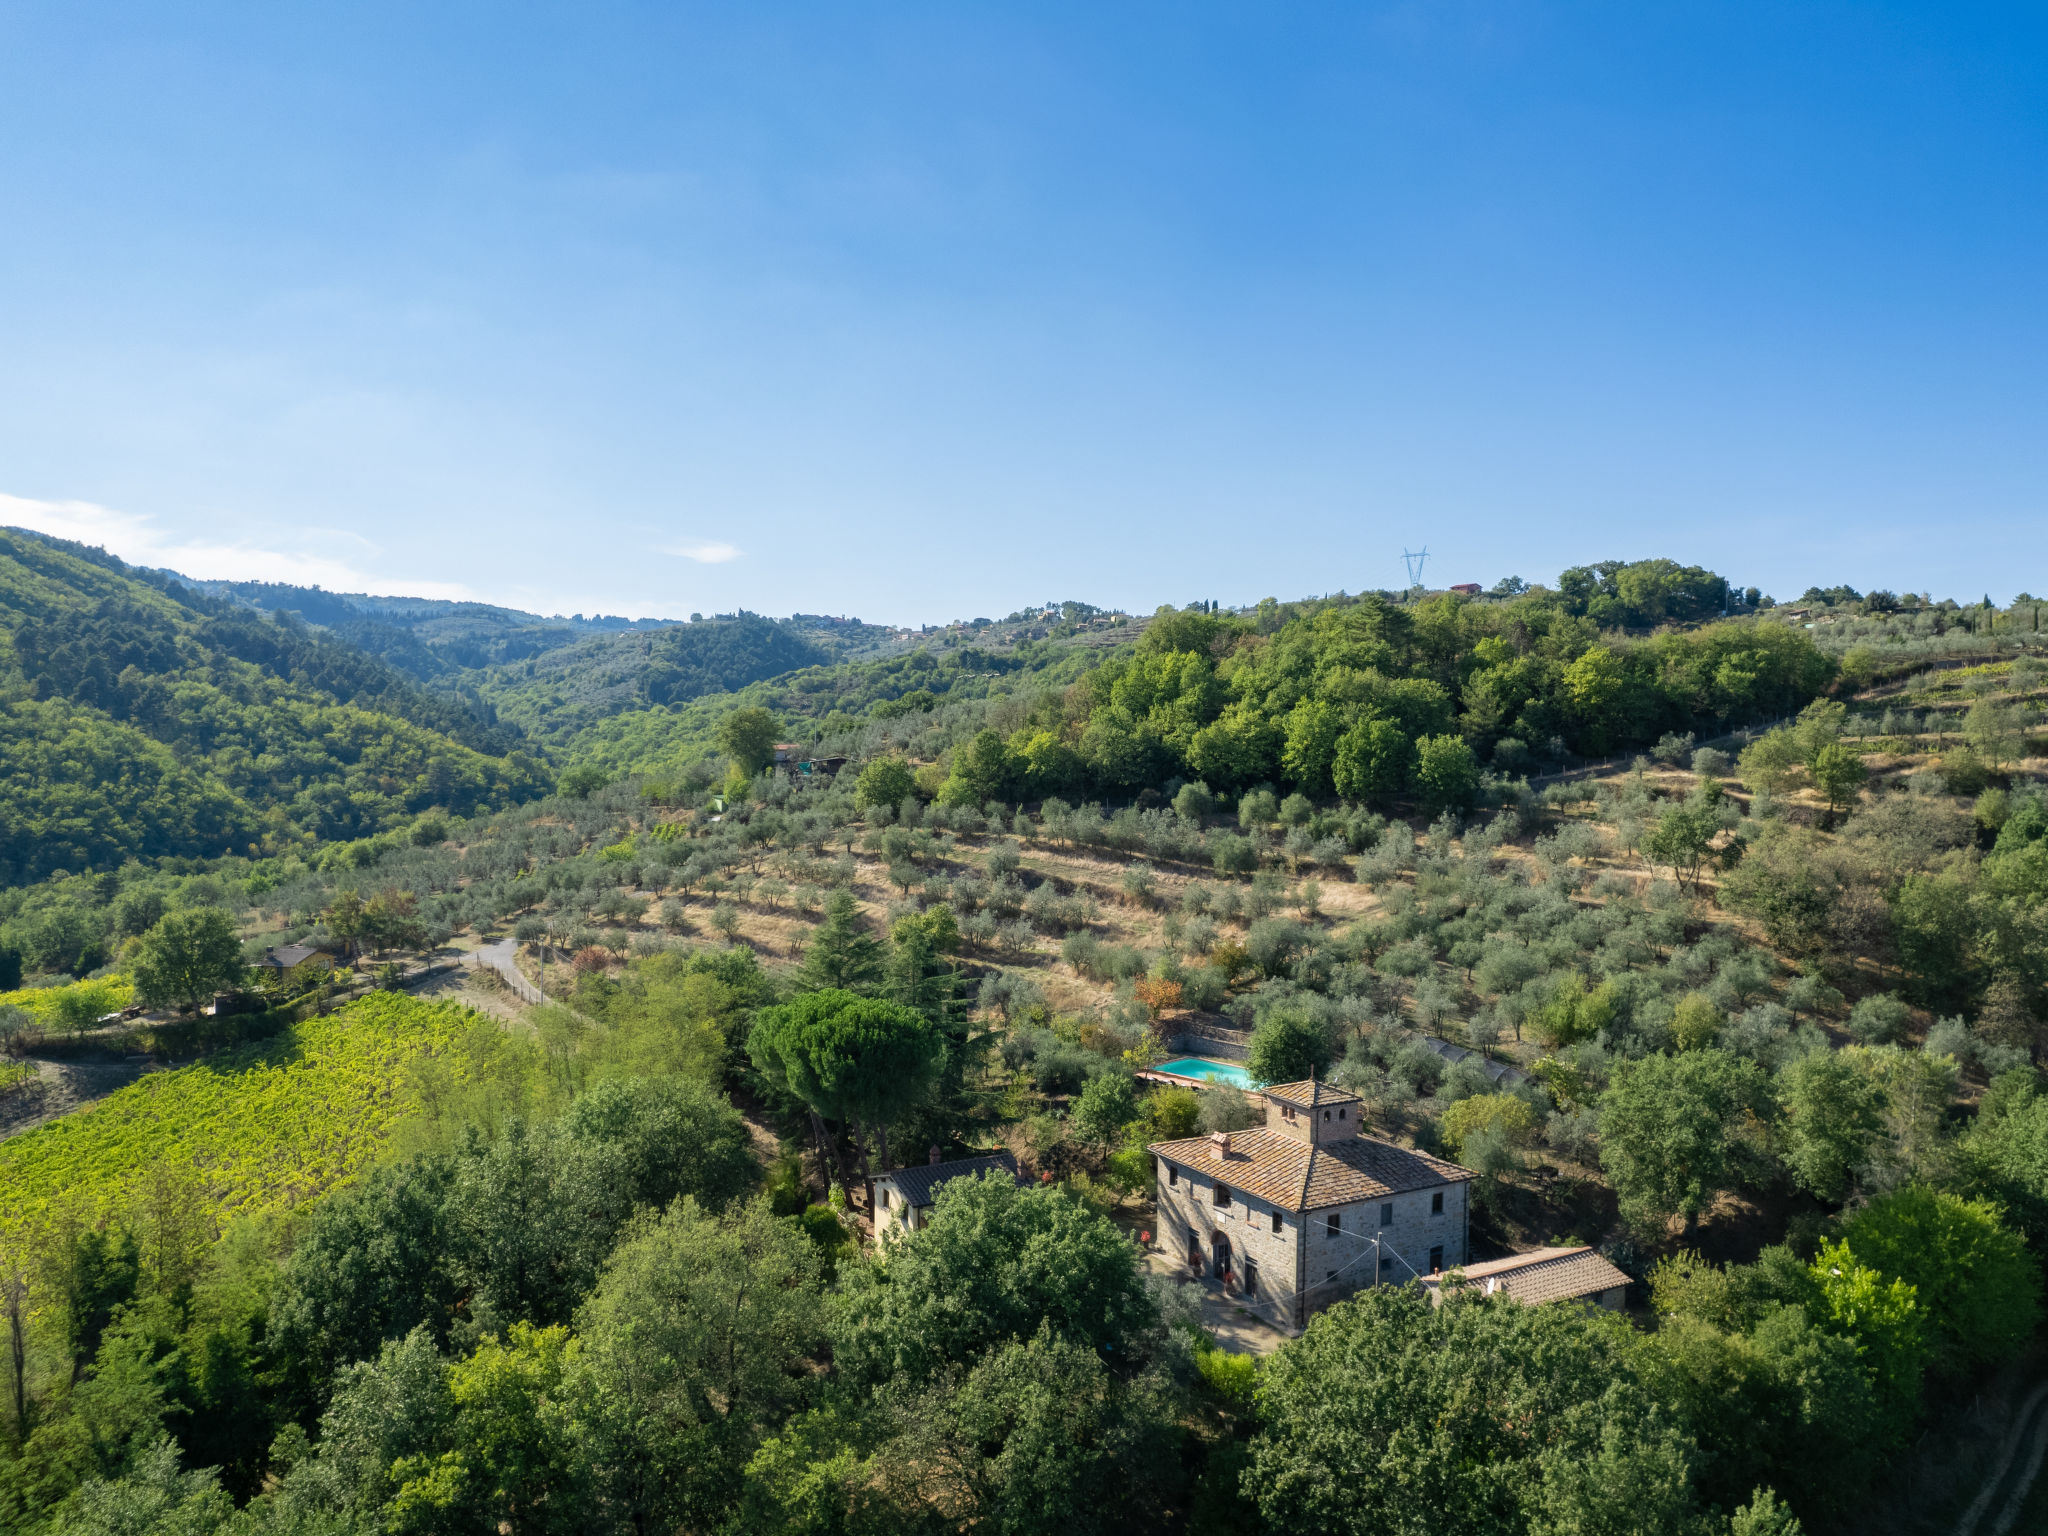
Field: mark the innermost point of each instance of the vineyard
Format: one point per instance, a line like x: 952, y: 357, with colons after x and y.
x: 260, y: 1129
x: 73, y: 1005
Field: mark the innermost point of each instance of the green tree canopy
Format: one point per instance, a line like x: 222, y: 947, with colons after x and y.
x: 1107, y: 1104
x: 1673, y: 1130
x: 857, y: 1060
x: 842, y: 953
x: 983, y: 770
x: 1832, y: 1117
x: 994, y: 1264
x: 1977, y: 1285
x: 1446, y: 772
x: 1287, y: 1046
x: 1391, y: 1414
x: 187, y: 957
x: 686, y: 1359
x: 1838, y: 772
x: 884, y: 781
x: 747, y: 736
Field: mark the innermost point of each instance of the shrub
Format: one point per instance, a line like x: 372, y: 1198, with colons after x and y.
x: 1880, y: 1019
x: 1232, y: 1377
x: 1204, y: 988
x: 1695, y: 1022
x: 1172, y: 1113
x: 1502, y: 1114
x: 1233, y: 855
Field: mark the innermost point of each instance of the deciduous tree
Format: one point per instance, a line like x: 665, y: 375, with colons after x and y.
x: 1674, y: 1131
x: 187, y: 957
x: 747, y: 736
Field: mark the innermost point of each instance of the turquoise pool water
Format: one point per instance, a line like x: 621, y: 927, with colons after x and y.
x: 1209, y: 1071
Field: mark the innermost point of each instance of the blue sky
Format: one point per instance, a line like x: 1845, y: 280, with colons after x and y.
x: 923, y: 312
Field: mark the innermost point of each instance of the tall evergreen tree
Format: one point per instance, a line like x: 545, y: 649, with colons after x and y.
x: 842, y: 953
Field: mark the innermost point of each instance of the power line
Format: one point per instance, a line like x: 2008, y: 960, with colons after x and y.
x: 1414, y: 560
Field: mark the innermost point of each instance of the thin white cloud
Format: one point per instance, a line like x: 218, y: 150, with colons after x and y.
x: 711, y: 553
x: 136, y: 538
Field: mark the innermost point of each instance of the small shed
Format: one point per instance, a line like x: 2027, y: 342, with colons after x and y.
x: 1545, y: 1275
x: 902, y: 1198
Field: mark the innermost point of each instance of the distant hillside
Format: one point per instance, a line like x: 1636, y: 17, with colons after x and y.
x: 142, y: 718
x: 554, y: 676
x: 562, y: 692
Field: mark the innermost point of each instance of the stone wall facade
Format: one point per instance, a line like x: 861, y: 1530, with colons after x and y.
x: 1368, y: 1249
x: 1218, y: 1041
x: 1187, y: 1207
x: 1304, y: 1266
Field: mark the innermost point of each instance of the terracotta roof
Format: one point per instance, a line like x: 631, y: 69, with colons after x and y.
x: 1305, y: 1094
x: 1547, y: 1274
x: 920, y: 1182
x: 1296, y: 1177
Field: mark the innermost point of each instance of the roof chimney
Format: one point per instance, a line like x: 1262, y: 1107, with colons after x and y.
x: 1221, y: 1140
x: 934, y: 1155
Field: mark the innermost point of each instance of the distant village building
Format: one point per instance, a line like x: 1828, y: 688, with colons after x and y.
x: 1547, y: 1274
x: 1467, y: 588
x: 794, y: 762
x: 296, y: 960
x: 902, y: 1198
x: 1308, y: 1209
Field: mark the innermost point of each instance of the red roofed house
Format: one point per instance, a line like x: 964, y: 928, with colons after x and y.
x: 1302, y: 1212
x: 1469, y: 588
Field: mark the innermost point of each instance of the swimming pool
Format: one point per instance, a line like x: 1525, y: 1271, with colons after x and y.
x: 1207, y: 1070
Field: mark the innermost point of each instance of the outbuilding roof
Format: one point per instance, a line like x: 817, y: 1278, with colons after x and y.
x: 1296, y: 1177
x: 1546, y: 1274
x: 285, y: 956
x: 920, y: 1182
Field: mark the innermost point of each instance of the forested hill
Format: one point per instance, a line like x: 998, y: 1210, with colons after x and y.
x: 556, y: 695
x: 1367, y: 698
x: 141, y: 718
x: 556, y: 675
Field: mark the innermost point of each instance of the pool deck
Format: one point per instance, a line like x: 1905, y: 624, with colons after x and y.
x: 1174, y: 1079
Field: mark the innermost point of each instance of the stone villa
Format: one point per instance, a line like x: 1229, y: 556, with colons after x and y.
x: 1307, y: 1209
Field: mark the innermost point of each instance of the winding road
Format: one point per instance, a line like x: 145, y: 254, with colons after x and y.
x: 2000, y: 1481
x: 500, y: 958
